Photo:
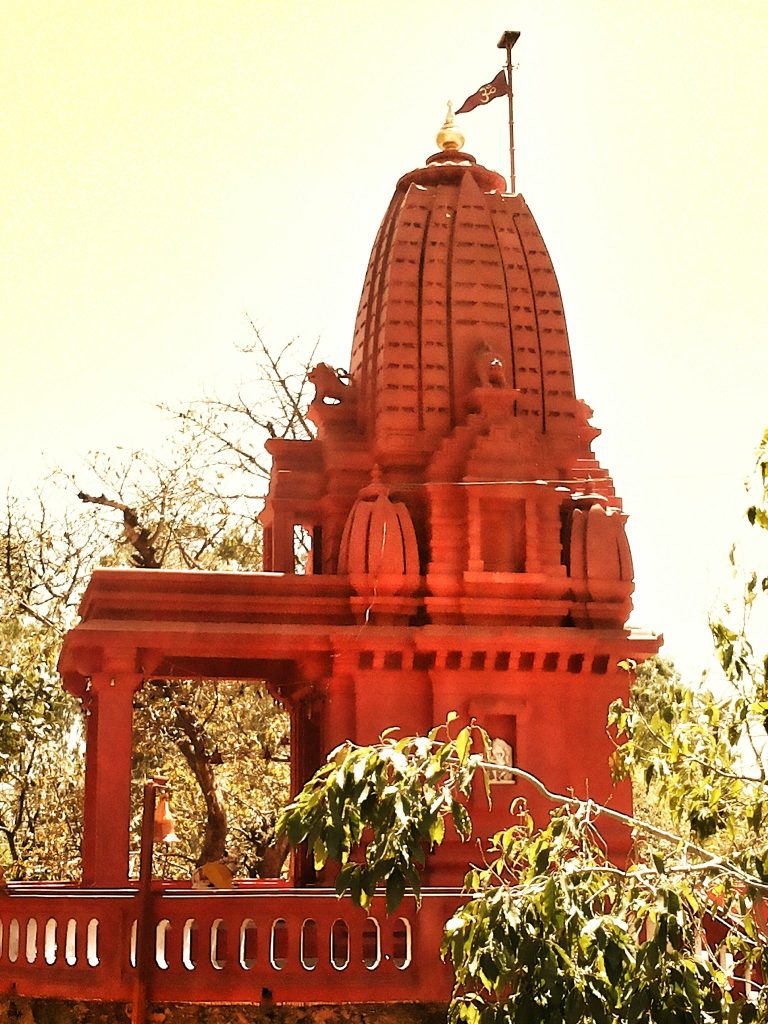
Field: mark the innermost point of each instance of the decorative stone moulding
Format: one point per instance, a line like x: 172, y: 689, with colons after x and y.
x: 378, y: 549
x: 599, y: 549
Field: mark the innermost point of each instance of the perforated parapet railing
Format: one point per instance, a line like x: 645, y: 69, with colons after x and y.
x: 288, y: 946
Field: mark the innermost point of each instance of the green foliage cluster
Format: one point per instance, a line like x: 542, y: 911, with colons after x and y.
x: 553, y: 931
x: 550, y: 928
x: 701, y: 757
x: 394, y: 798
x: 218, y: 742
x: 40, y: 749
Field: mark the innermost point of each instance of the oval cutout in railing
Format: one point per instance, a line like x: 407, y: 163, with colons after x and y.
x: 30, y: 947
x: 92, y: 943
x: 161, y: 933
x: 339, y: 944
x: 218, y: 945
x: 248, y: 936
x: 309, y: 952
x: 70, y: 942
x: 371, y: 944
x: 402, y: 945
x: 278, y: 944
x: 13, y: 940
x: 189, y: 944
x: 49, y: 940
x: 132, y: 944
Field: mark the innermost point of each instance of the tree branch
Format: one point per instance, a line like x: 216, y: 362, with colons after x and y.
x: 575, y: 803
x: 140, y: 538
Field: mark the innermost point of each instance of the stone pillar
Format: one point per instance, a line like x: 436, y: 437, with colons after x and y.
x: 339, y: 709
x: 107, y: 806
x: 282, y: 537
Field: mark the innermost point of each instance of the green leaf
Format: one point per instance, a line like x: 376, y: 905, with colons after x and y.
x: 395, y: 889
x: 463, y: 745
x: 543, y: 856
x: 461, y: 820
x: 437, y: 830
x: 320, y: 854
x: 613, y: 958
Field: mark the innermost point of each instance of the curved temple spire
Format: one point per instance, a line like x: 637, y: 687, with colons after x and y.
x: 458, y: 270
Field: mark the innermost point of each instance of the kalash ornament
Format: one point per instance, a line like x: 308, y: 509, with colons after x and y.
x: 449, y: 137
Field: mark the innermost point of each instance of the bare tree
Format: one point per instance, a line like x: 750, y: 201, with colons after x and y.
x: 192, y: 504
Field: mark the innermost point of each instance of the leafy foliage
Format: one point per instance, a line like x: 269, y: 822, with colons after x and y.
x: 696, y: 753
x: 702, y: 752
x: 40, y: 741
x: 550, y: 929
x: 554, y: 932
x: 224, y: 747
x: 396, y: 799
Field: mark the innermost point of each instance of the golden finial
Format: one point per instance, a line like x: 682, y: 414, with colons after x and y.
x: 449, y: 137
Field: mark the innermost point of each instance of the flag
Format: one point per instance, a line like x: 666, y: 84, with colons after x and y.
x: 486, y: 93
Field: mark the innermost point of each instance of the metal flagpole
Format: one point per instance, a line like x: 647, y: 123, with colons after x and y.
x: 506, y: 42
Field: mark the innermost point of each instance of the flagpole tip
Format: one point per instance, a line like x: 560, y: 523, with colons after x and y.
x: 508, y: 40
x: 449, y: 137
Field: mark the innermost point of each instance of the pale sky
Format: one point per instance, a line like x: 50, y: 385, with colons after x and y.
x: 168, y: 166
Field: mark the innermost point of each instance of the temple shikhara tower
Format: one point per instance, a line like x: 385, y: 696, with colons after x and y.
x: 466, y: 553
x: 453, y: 487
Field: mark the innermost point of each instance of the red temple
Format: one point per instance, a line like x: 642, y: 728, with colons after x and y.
x: 468, y: 553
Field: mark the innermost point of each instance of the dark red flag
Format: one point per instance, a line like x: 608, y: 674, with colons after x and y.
x: 486, y: 93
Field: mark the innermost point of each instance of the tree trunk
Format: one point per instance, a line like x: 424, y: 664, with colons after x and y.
x: 193, y: 748
x: 273, y: 858
x: 196, y: 756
